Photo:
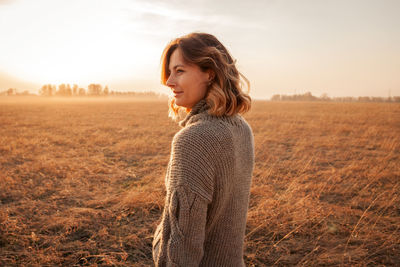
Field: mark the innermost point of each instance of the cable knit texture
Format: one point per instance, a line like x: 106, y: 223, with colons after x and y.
x: 208, y: 187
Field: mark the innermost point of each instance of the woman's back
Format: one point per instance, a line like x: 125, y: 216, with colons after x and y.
x: 218, y: 156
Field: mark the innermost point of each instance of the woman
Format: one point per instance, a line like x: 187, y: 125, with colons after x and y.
x: 209, y: 173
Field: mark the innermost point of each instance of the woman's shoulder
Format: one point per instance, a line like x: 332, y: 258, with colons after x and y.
x: 207, y: 129
x: 216, y: 131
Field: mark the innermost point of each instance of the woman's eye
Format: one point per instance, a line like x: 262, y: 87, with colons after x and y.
x: 179, y: 71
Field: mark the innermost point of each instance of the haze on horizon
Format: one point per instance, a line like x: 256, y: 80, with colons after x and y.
x: 342, y: 47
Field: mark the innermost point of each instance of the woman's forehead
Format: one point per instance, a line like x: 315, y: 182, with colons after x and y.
x: 176, y: 58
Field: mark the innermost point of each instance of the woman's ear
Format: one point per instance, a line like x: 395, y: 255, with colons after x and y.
x: 211, y: 75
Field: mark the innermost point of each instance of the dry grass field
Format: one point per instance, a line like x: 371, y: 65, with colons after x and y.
x: 81, y: 182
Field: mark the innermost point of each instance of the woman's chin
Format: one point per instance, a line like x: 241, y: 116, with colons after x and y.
x: 180, y: 103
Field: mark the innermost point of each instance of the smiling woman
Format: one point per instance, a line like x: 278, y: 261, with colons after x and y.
x: 187, y: 81
x: 212, y: 157
x: 199, y: 66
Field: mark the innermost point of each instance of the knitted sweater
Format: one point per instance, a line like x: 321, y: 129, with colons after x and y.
x: 208, y: 187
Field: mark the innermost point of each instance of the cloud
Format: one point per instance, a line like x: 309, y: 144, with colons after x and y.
x: 7, y: 2
x: 183, y: 16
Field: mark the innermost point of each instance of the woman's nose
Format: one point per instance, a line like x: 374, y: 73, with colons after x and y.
x: 170, y: 81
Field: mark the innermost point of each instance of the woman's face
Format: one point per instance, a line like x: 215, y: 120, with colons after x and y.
x: 187, y: 81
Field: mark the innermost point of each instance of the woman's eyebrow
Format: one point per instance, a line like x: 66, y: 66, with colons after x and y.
x: 177, y: 66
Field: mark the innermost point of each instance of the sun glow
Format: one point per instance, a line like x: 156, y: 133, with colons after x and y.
x: 70, y: 45
x: 81, y: 61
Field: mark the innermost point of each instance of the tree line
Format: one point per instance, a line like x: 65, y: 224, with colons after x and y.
x: 324, y: 97
x: 95, y: 89
x: 14, y: 91
x: 66, y: 90
x: 63, y: 89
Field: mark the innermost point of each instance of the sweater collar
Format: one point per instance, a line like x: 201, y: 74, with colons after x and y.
x: 196, y: 111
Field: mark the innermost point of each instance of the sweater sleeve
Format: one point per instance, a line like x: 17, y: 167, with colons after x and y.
x: 194, y: 155
x: 179, y: 238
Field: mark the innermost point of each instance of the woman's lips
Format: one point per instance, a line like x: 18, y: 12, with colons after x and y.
x: 177, y: 93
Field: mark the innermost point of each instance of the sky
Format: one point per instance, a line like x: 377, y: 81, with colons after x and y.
x: 336, y: 47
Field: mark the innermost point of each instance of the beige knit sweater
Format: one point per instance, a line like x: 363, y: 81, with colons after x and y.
x: 208, y: 187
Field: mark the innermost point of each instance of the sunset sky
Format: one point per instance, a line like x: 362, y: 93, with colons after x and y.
x: 340, y: 47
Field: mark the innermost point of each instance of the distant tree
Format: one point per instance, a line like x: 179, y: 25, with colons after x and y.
x: 68, y: 90
x: 364, y: 99
x: 62, y: 90
x: 345, y: 99
x: 308, y: 97
x: 52, y: 89
x: 47, y: 90
x: 325, y: 97
x: 12, y: 91
x: 81, y: 91
x: 43, y: 90
x: 91, y: 89
x: 99, y: 89
x: 26, y: 92
x: 75, y: 90
x: 276, y: 98
x: 94, y: 89
x: 106, y: 90
x: 377, y: 99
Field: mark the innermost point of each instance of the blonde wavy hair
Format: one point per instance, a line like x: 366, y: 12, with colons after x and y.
x: 225, y: 94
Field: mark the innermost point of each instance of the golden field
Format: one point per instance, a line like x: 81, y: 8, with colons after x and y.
x: 82, y: 182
